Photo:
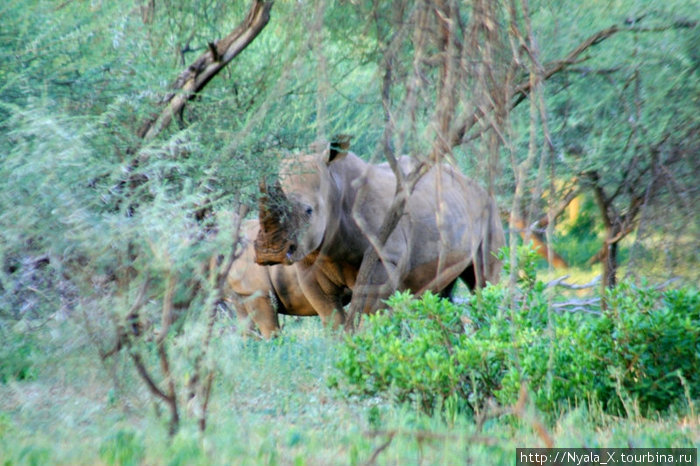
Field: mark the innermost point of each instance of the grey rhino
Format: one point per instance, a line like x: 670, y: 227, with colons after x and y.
x: 261, y: 292
x: 326, y: 208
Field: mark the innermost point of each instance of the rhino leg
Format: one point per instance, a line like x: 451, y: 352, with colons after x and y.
x: 381, y: 282
x: 328, y: 307
x: 469, y: 277
x: 326, y: 302
x: 264, y: 315
x: 446, y: 293
x: 241, y: 313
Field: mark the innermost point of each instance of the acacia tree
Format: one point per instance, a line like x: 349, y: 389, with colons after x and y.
x: 635, y: 148
x: 116, y: 200
x: 190, y: 82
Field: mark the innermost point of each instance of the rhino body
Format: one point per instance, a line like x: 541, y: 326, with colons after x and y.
x: 327, y: 207
x: 262, y: 292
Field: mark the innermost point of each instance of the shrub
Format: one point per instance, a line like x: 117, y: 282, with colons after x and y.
x: 16, y: 355
x: 645, y: 347
x: 652, y: 339
x: 409, y: 351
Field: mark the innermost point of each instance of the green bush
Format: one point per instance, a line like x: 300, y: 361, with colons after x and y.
x: 409, y: 351
x: 16, y: 354
x: 644, y: 347
x: 652, y: 339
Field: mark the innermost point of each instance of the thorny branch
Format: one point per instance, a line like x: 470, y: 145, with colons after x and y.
x: 521, y: 91
x: 193, y: 79
x: 208, y: 65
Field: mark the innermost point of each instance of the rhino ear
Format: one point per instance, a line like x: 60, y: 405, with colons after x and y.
x: 339, y: 147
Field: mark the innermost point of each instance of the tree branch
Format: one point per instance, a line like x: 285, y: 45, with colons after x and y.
x: 543, y: 221
x: 208, y: 65
x: 521, y: 91
x: 146, y: 376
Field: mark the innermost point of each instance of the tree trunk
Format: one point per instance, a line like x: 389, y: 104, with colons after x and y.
x: 608, y: 260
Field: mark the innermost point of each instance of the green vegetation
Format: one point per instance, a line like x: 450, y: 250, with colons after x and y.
x: 108, y: 317
x: 640, y: 354
x: 271, y: 404
x: 16, y: 356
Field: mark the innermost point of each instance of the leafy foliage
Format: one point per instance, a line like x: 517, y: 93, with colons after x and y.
x: 16, y: 356
x: 443, y: 356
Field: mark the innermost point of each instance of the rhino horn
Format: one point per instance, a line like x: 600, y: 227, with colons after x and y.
x: 273, y: 240
x: 272, y: 204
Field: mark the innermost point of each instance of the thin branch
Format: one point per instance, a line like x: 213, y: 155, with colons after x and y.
x: 133, y: 322
x: 167, y: 314
x: 205, y: 404
x: 146, y: 376
x: 586, y: 71
x: 220, y: 282
x: 521, y: 91
x: 233, y: 255
x: 381, y: 448
x: 172, y: 397
x: 607, y: 211
x: 558, y: 210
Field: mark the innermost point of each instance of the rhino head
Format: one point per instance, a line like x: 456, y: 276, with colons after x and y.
x: 296, y: 210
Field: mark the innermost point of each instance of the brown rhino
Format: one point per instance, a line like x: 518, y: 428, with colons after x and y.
x: 261, y: 293
x: 328, y: 206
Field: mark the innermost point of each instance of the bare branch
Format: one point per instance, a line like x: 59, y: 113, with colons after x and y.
x: 167, y: 313
x: 146, y: 376
x: 521, y: 91
x: 233, y: 255
x: 570, y: 195
x: 133, y: 322
x: 172, y: 397
x: 208, y: 65
x: 381, y: 448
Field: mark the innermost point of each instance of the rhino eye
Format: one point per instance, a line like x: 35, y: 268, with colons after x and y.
x: 309, y: 211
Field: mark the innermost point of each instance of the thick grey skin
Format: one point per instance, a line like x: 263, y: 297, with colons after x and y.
x: 262, y: 292
x: 449, y: 230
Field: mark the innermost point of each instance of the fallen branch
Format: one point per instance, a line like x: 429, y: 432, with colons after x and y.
x: 662, y: 286
x: 578, y: 305
x: 572, y: 286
